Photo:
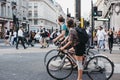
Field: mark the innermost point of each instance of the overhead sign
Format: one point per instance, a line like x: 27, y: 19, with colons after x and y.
x: 101, y: 19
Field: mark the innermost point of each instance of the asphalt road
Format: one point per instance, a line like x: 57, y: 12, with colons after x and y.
x: 29, y: 66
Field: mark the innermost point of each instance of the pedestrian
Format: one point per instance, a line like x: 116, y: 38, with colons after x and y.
x: 14, y: 37
x: 101, y: 38
x: 118, y: 34
x: 26, y: 36
x: 31, y: 38
x: 73, y: 41
x: 20, y: 38
x: 110, y: 39
x: 54, y: 34
x: 44, y: 35
x: 7, y: 36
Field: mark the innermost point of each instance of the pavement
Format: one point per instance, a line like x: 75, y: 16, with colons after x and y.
x: 114, y: 56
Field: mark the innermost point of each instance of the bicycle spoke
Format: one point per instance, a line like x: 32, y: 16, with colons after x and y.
x: 100, y: 65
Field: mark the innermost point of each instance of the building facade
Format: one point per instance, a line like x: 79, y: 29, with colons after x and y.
x: 43, y: 13
x: 111, y: 12
x: 7, y: 11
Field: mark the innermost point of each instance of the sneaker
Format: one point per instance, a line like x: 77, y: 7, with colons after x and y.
x: 67, y: 66
x: 16, y: 48
x: 56, y: 63
x: 41, y: 47
x: 110, y: 51
x: 25, y: 48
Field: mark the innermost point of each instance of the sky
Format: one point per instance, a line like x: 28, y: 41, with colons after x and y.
x: 85, y: 6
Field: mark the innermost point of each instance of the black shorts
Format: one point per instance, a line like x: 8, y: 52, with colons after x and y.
x: 79, y: 50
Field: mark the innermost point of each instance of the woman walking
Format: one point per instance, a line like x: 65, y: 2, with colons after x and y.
x: 110, y: 39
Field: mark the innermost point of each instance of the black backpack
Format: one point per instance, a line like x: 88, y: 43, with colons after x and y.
x: 82, y: 35
x: 45, y: 34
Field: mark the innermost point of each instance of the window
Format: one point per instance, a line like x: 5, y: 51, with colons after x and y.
x: 3, y: 10
x: 35, y: 14
x: 35, y: 5
x: 8, y: 11
x: 30, y: 21
x: 30, y: 5
x: 30, y: 14
x: 35, y: 22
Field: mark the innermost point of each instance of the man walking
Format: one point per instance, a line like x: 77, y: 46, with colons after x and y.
x: 101, y: 38
x: 20, y: 38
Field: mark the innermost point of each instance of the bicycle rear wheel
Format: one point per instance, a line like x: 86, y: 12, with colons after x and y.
x: 50, y: 54
x: 100, y: 65
x: 59, y: 68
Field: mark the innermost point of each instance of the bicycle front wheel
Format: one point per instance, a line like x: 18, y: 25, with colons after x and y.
x: 59, y: 68
x: 100, y: 65
x: 50, y: 54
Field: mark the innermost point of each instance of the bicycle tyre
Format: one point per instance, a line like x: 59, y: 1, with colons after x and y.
x: 107, y: 67
x: 50, y: 54
x: 58, y: 70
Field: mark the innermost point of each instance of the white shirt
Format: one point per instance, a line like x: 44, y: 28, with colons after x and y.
x: 100, y: 35
x: 20, y: 33
x: 14, y: 34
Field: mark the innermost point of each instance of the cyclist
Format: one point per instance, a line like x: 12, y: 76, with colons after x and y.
x: 65, y: 31
x: 79, y: 49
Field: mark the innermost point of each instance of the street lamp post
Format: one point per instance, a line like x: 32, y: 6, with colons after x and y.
x: 92, y: 21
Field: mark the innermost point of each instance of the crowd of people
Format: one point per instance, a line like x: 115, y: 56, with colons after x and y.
x: 22, y: 36
x: 104, y: 38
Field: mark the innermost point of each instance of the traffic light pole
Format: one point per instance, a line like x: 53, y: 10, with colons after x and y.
x: 78, y: 9
x: 92, y: 21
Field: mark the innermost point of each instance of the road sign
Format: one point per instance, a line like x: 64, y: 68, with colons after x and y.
x: 101, y: 19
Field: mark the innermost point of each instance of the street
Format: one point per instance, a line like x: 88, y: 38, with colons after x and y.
x: 27, y: 64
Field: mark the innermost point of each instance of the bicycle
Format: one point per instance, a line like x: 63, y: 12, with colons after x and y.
x: 54, y: 52
x: 58, y: 69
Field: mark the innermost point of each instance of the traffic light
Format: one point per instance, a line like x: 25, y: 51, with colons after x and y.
x: 95, y: 10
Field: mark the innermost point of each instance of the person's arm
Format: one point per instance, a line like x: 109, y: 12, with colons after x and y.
x: 66, y: 45
x: 60, y: 36
x: 66, y: 39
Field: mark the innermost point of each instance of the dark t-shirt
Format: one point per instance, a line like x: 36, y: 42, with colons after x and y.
x: 73, y: 36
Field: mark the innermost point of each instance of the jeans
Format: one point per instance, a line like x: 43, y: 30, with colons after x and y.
x: 101, y: 44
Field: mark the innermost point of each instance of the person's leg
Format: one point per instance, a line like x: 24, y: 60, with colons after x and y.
x: 109, y: 43
x: 42, y: 42
x: 79, y: 51
x: 22, y: 41
x: 79, y: 60
x: 17, y: 42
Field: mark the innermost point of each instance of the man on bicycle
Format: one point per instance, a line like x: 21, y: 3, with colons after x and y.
x: 79, y: 49
x: 65, y: 31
